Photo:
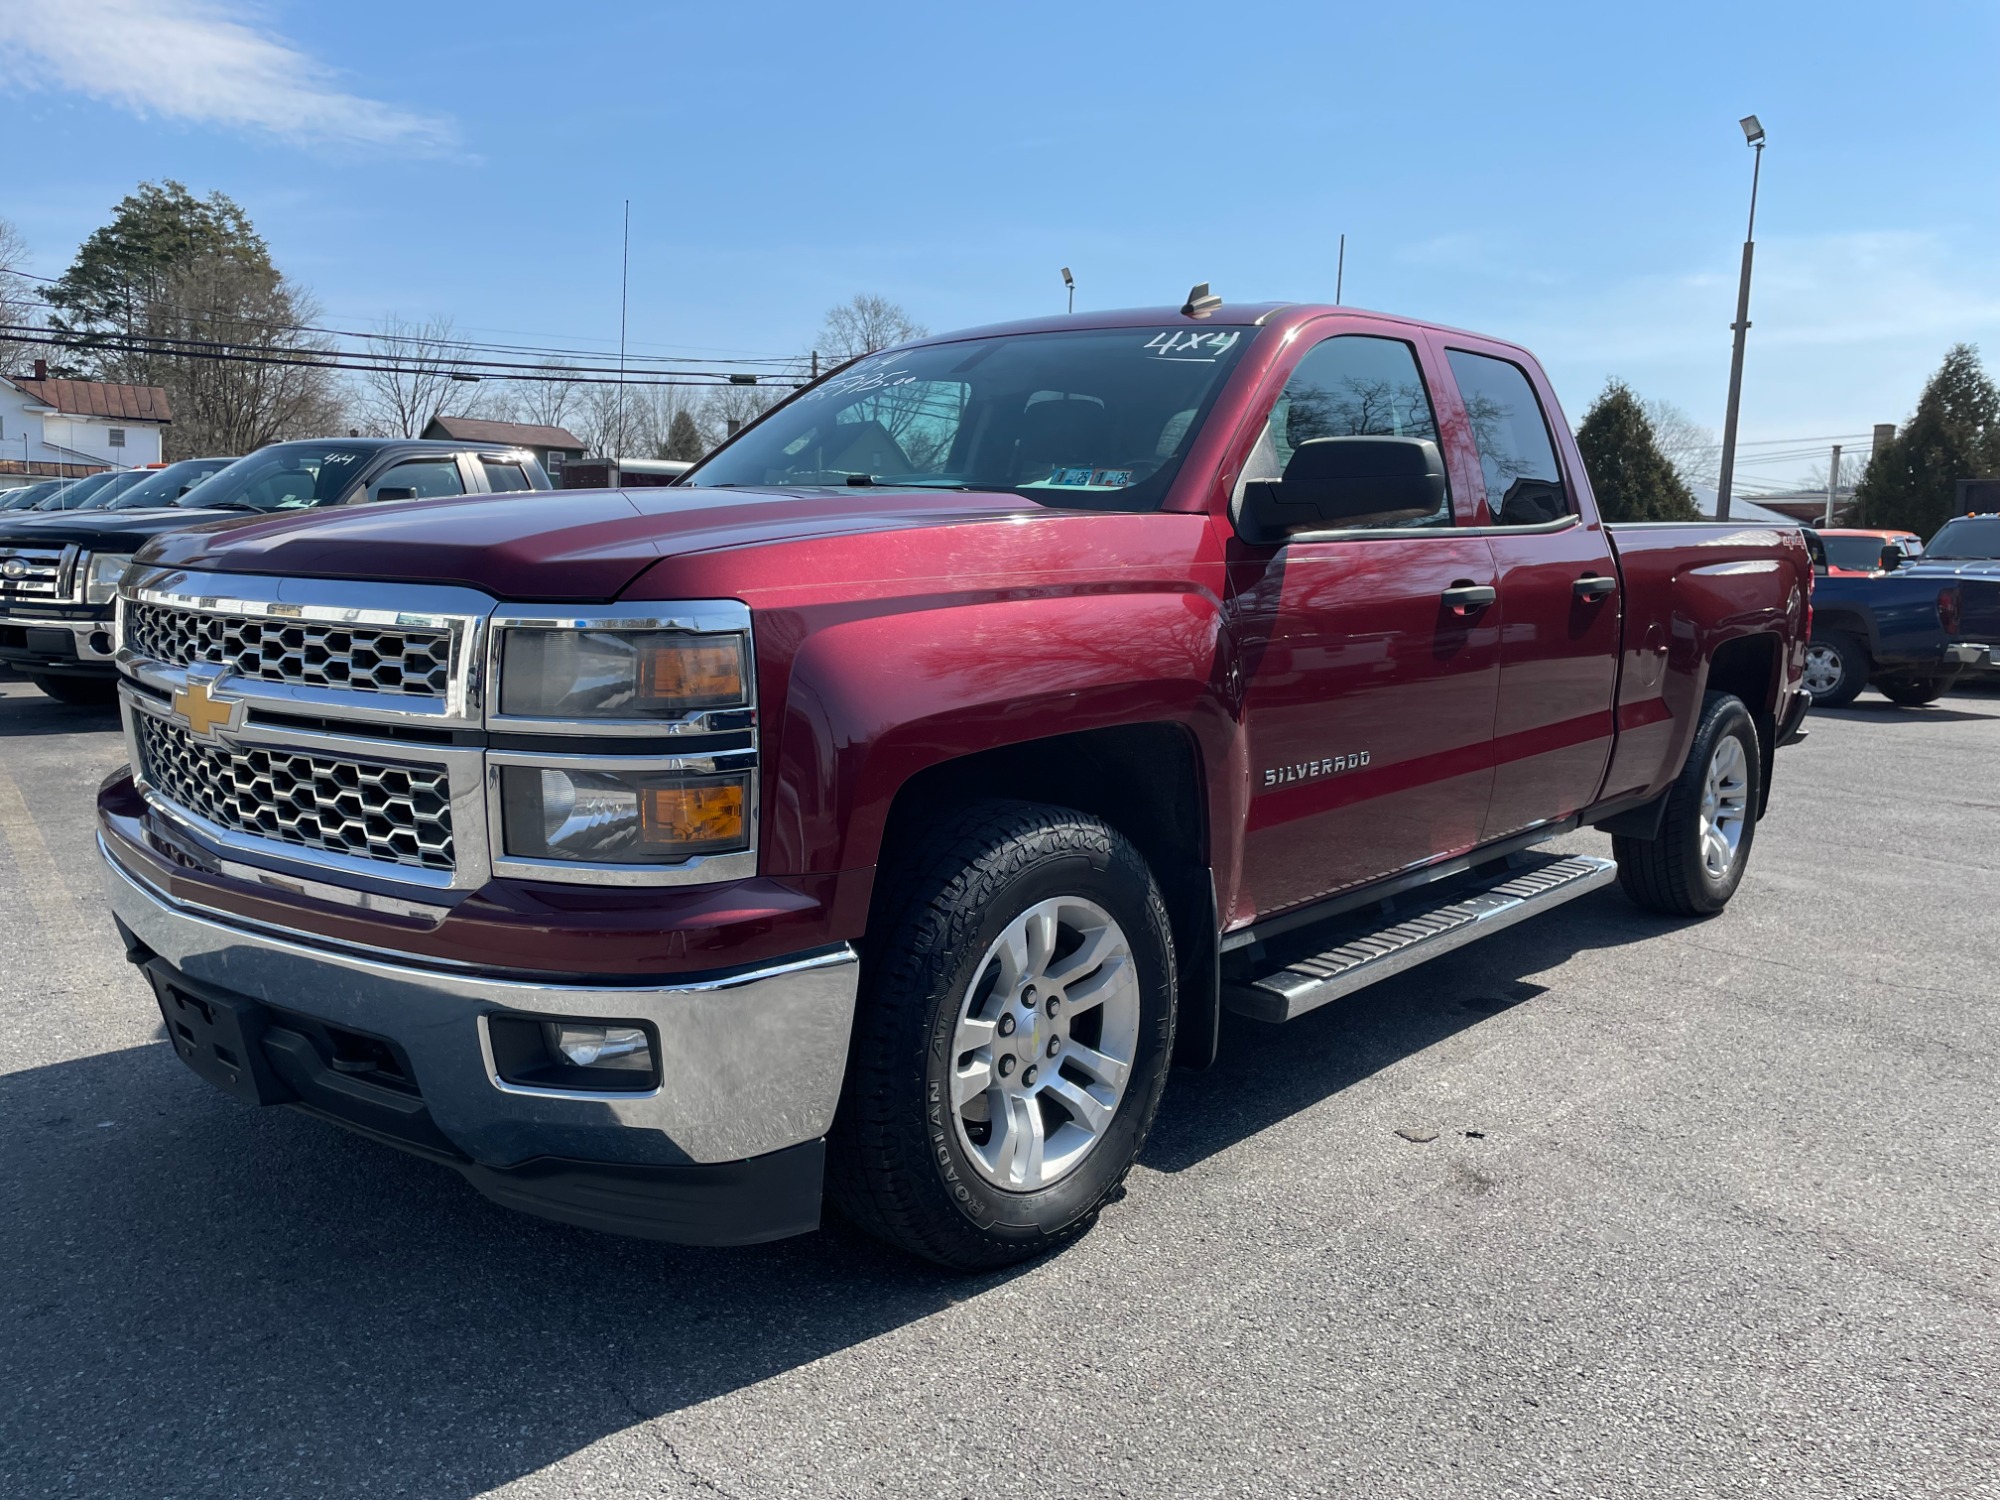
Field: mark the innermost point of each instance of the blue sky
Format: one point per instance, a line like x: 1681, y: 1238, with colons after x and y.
x: 1571, y: 176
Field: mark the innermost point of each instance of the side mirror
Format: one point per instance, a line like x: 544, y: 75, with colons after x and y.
x: 1892, y: 557
x: 1346, y: 483
x: 396, y: 492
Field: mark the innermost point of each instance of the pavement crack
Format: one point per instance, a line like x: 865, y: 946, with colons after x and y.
x: 648, y: 1424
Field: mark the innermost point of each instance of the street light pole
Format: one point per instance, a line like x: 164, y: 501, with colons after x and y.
x: 1070, y: 282
x: 1753, y: 133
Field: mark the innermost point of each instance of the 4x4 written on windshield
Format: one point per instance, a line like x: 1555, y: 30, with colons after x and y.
x: 287, y: 476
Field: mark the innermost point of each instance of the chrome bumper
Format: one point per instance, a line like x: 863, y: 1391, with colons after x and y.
x: 751, y: 1062
x: 1968, y: 654
x: 82, y: 631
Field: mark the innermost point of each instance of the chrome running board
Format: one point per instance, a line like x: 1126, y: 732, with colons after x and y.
x: 1414, y: 934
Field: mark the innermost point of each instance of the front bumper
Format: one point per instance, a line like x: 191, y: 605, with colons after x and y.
x: 58, y: 644
x: 725, y: 1150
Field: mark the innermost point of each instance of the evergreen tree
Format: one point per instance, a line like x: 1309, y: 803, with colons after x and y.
x: 683, y: 438
x: 123, y: 271
x: 1912, y: 481
x: 1632, y: 479
x: 152, y: 294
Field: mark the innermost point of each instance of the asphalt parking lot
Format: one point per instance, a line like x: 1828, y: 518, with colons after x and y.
x: 1712, y: 1209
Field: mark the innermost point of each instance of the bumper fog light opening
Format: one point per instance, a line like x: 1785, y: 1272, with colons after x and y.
x: 569, y: 1055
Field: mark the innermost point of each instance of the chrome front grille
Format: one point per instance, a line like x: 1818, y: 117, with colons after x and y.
x: 366, y: 809
x: 309, y: 653
x: 42, y: 574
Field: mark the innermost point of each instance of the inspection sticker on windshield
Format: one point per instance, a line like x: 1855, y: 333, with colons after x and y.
x: 1191, y: 347
x: 1083, y: 479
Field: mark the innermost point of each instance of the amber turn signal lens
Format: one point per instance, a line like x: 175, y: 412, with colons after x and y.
x: 697, y: 675
x: 690, y: 816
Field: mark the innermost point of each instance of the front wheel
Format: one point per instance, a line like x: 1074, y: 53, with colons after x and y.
x: 1836, y: 669
x: 1696, y: 863
x: 1015, y: 1027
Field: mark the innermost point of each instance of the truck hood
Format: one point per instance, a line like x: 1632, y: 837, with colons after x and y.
x: 1945, y: 567
x: 574, y: 545
x: 101, y: 530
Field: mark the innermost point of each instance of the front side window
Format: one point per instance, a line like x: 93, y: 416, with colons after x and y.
x: 1353, y: 385
x: 1524, y: 486
x: 1098, y: 418
x: 429, y: 477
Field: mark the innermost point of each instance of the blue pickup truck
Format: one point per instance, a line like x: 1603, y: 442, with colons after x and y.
x: 1908, y: 630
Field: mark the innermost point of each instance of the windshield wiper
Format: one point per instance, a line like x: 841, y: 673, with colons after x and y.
x: 860, y: 481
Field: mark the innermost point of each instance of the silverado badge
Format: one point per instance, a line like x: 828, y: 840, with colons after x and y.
x: 203, y: 712
x: 1309, y: 770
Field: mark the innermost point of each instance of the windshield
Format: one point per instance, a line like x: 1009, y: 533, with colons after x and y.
x: 1967, y: 537
x: 1863, y: 554
x: 122, y: 484
x: 33, y: 495
x: 164, y: 486
x: 284, y: 476
x: 70, y: 496
x: 1098, y: 418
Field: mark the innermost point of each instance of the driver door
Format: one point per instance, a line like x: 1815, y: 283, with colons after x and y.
x: 1369, y: 688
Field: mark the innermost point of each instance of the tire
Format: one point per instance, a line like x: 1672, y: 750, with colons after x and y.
x: 1838, y: 664
x: 1675, y: 873
x: 905, y: 1160
x: 1915, y: 692
x: 85, y: 692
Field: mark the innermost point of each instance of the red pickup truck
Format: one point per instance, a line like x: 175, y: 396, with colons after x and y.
x: 879, y: 811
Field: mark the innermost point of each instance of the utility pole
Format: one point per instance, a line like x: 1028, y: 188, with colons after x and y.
x: 624, y: 282
x: 1340, y: 274
x: 1753, y: 133
x: 1832, y: 484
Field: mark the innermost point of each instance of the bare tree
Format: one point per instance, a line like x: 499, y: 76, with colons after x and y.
x: 548, y: 402
x: 19, y: 307
x: 865, y: 324
x: 419, y: 375
x: 651, y: 412
x: 1691, y: 448
x: 270, y: 385
x: 727, y: 409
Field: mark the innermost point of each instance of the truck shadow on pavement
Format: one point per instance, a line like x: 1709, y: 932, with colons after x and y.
x: 205, y: 1299
x: 24, y: 711
x: 1862, y: 711
x: 1268, y: 1073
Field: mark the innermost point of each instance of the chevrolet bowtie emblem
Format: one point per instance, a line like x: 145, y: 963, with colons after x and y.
x: 203, y: 712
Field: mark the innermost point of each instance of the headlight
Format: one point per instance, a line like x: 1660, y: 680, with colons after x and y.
x: 622, y: 817
x: 100, y: 583
x: 619, y: 674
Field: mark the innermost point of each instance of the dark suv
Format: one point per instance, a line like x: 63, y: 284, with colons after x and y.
x: 59, y: 572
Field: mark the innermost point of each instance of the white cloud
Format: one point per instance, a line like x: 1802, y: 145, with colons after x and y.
x: 190, y: 60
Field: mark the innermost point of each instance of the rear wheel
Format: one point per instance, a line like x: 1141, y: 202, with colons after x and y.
x: 93, y: 692
x: 1696, y: 863
x: 1915, y: 692
x: 1836, y: 669
x: 1015, y: 1026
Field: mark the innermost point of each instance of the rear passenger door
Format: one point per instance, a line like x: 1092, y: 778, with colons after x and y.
x: 1560, y: 604
x: 1367, y: 691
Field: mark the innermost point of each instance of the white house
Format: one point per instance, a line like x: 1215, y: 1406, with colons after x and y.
x: 68, y: 428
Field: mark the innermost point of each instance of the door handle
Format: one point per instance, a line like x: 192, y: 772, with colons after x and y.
x: 1590, y: 586
x: 1469, y: 596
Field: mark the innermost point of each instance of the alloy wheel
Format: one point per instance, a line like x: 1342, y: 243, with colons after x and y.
x: 1044, y: 1045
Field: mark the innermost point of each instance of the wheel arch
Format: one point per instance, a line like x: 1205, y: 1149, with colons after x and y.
x: 1752, y: 668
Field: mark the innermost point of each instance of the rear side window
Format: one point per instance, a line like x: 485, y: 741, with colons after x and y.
x: 1523, y: 484
x: 1351, y: 385
x: 504, y: 476
x: 429, y: 477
